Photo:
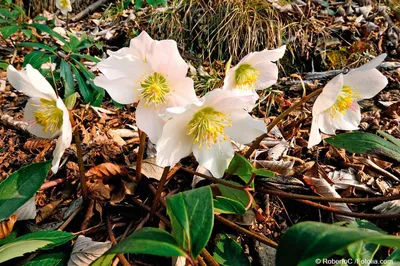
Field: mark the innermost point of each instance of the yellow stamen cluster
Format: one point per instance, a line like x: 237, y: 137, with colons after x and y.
x: 64, y: 3
x: 208, y: 126
x: 49, y: 115
x: 246, y: 76
x: 343, y: 102
x: 155, y: 89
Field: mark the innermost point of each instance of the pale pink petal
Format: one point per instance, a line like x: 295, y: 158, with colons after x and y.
x: 141, y: 45
x: 373, y: 63
x: 148, y: 120
x: 350, y: 120
x: 224, y: 101
x: 123, y: 52
x: 182, y: 93
x: 174, y: 143
x: 264, y: 56
x: 123, y: 67
x: 328, y: 95
x: 165, y: 59
x: 315, y: 136
x: 29, y: 116
x: 244, y: 128
x: 216, y: 158
x: 366, y: 83
x: 268, y: 75
x: 40, y: 83
x: 20, y: 81
x: 123, y: 91
x: 64, y: 141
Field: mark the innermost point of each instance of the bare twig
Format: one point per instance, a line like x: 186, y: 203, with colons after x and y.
x: 121, y: 257
x: 207, y: 257
x: 88, y: 10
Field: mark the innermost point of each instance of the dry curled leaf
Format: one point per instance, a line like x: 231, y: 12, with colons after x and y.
x: 85, y: 251
x: 27, y: 211
x: 151, y: 169
x: 281, y: 167
x: 7, y: 226
x: 389, y: 207
x: 275, y: 153
x: 46, y: 211
x: 323, y: 188
x: 33, y: 144
x: 107, y: 169
x: 345, y: 178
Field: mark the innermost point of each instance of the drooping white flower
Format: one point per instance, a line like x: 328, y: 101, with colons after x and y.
x: 337, y: 108
x: 204, y: 128
x: 254, y: 72
x: 64, y: 6
x: 151, y: 72
x: 45, y: 113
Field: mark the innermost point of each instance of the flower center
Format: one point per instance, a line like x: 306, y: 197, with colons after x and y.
x: 155, y: 89
x: 49, y: 115
x: 64, y: 3
x: 343, y: 102
x: 246, y: 77
x: 208, y: 126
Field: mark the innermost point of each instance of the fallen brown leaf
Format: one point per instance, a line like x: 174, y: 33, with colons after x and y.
x: 7, y: 226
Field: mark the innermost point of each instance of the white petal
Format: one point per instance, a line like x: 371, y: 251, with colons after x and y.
x: 326, y: 123
x: 243, y: 122
x: 123, y: 91
x: 20, y: 81
x: 182, y: 93
x: 367, y: 83
x: 123, y: 52
x: 373, y: 63
x: 224, y: 101
x: 148, y: 120
x: 216, y: 158
x: 141, y: 45
x: 165, y: 59
x: 33, y: 127
x: 350, y: 120
x: 315, y: 136
x: 328, y: 95
x: 123, y: 67
x: 229, y: 81
x: 264, y: 56
x: 268, y: 75
x: 174, y: 143
x: 64, y: 141
x: 40, y: 83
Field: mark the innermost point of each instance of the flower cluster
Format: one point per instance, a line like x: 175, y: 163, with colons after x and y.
x: 153, y: 75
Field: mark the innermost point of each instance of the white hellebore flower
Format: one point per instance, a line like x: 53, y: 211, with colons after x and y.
x: 64, y: 6
x: 151, y: 72
x: 337, y: 108
x: 256, y: 71
x: 204, y: 128
x: 46, y: 114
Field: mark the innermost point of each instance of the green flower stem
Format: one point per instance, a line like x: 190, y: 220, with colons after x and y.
x: 139, y: 161
x: 257, y: 141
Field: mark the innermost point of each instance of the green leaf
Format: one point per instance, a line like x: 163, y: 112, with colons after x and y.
x: 241, y: 167
x: 393, y: 259
x: 27, y: 32
x: 5, y: 12
x: 87, y: 57
x: 228, y: 206
x: 19, y: 248
x: 148, y: 240
x: 99, y: 94
x: 8, y: 239
x: 48, y: 30
x: 234, y: 194
x: 104, y: 260
x: 19, y: 187
x: 55, y: 237
x: 263, y: 172
x: 7, y: 31
x: 51, y: 259
x: 389, y: 137
x: 156, y: 3
x: 318, y: 241
x: 36, y: 59
x: 83, y: 87
x: 38, y: 45
x: 365, y: 143
x: 84, y: 70
x: 138, y: 4
x: 37, y: 18
x: 67, y: 78
x: 229, y: 253
x: 70, y: 101
x: 3, y: 65
x: 192, y: 218
x: 73, y: 41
